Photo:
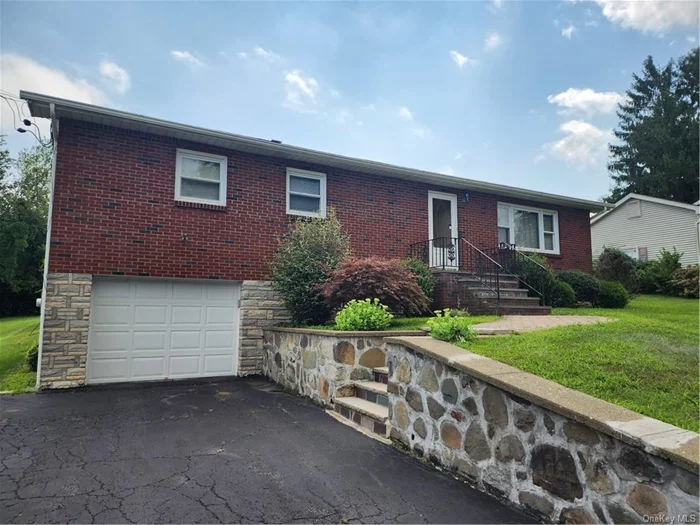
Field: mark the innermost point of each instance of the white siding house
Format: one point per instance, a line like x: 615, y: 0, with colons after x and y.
x: 641, y: 226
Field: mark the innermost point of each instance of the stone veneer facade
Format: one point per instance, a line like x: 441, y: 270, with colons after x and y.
x: 319, y: 363
x: 67, y: 324
x: 261, y: 308
x: 65, y: 332
x: 553, y: 466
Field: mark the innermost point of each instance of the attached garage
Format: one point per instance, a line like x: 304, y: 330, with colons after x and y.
x: 150, y: 329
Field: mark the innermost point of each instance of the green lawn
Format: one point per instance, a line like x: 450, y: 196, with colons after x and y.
x: 412, y: 323
x: 646, y: 361
x: 17, y: 335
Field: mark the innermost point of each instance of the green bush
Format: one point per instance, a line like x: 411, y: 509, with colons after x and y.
x: 562, y: 295
x: 424, y: 277
x: 540, y: 276
x: 447, y: 327
x: 612, y: 295
x: 657, y: 276
x: 312, y: 249
x: 616, y: 265
x: 585, y: 286
x: 363, y: 315
x: 386, y: 279
x: 685, y: 280
x: 32, y: 358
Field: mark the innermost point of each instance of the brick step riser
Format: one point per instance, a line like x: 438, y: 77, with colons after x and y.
x: 503, y: 282
x: 372, y: 397
x: 518, y: 311
x: 380, y: 378
x: 363, y: 420
x: 511, y: 301
x: 489, y: 295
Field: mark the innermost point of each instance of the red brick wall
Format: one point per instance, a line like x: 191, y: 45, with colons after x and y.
x: 114, y: 211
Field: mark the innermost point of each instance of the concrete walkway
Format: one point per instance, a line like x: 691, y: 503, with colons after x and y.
x: 511, y: 324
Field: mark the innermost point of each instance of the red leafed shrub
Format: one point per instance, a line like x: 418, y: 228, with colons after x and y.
x: 385, y: 279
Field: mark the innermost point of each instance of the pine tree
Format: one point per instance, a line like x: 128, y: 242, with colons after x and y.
x: 657, y: 149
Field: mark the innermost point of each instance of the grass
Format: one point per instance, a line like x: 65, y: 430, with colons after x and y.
x: 410, y: 323
x: 17, y: 335
x: 646, y: 361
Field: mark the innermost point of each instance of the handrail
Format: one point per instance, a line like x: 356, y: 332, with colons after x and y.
x: 518, y: 264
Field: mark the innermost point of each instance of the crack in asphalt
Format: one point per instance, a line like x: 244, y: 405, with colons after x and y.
x: 185, y: 453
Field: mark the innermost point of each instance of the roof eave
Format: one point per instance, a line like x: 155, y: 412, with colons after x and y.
x: 39, y: 106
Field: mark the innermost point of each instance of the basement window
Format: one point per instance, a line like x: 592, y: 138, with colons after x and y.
x: 306, y: 193
x: 530, y: 229
x: 200, y: 178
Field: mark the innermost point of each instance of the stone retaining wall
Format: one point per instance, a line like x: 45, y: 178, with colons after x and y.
x: 65, y: 331
x: 559, y: 454
x: 317, y: 363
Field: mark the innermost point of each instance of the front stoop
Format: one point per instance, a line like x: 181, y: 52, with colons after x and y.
x: 468, y: 291
x: 368, y: 406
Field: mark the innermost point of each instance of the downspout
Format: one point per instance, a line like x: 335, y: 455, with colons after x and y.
x: 47, y: 249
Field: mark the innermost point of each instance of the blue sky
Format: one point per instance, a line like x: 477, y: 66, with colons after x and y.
x: 519, y: 93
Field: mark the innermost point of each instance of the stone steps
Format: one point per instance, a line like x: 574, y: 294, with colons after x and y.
x: 364, y: 413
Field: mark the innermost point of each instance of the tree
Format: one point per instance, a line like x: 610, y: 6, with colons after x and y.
x: 24, y: 201
x: 657, y: 153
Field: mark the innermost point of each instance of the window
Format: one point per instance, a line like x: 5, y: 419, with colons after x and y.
x: 200, y: 178
x: 528, y: 228
x: 632, y: 252
x: 634, y: 209
x: 306, y: 193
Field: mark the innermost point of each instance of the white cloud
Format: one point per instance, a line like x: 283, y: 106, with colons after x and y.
x: 421, y: 132
x: 301, y: 92
x: 651, y: 16
x: 495, y: 6
x: 568, y: 32
x: 243, y: 55
x: 493, y: 41
x: 19, y: 72
x: 187, y: 58
x: 459, y: 58
x: 586, y: 100
x: 405, y: 114
x: 583, y: 143
x: 116, y: 74
x: 334, y: 93
x: 690, y: 39
x: 267, y: 55
x: 447, y: 170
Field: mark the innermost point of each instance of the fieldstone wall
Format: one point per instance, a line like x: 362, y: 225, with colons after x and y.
x: 261, y: 308
x: 553, y: 466
x: 66, y: 325
x: 320, y: 363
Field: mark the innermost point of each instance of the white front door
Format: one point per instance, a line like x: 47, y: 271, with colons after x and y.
x: 442, y: 224
x: 148, y: 329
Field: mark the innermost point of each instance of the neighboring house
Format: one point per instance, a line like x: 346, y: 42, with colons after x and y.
x: 641, y: 226
x: 161, y: 235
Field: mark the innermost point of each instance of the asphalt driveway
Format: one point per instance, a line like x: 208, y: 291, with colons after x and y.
x: 234, y: 451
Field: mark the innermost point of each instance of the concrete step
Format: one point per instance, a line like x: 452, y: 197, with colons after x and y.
x: 366, y: 414
x: 381, y: 374
x: 372, y: 391
x: 519, y: 310
x: 482, y: 291
x: 504, y: 280
x: 512, y: 301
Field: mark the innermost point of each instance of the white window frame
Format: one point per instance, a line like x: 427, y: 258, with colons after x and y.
x: 207, y: 157
x: 307, y: 175
x: 540, y: 212
x: 635, y: 248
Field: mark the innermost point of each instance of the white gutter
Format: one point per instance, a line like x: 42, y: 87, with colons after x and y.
x: 47, y: 249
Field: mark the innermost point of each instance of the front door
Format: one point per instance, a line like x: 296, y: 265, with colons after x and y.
x: 442, y: 218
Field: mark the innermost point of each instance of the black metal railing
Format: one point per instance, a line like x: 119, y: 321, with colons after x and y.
x: 534, y: 276
x: 456, y: 253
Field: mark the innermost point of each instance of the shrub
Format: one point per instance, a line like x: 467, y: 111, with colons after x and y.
x: 540, y: 276
x: 585, y: 286
x: 685, y: 280
x: 616, y: 265
x: 447, y: 327
x: 423, y: 275
x: 656, y: 276
x: 363, y: 315
x: 562, y: 295
x: 301, y: 264
x: 32, y: 358
x: 612, y: 295
x: 386, y: 279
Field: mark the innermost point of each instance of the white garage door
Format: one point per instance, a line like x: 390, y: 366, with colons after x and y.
x: 146, y: 329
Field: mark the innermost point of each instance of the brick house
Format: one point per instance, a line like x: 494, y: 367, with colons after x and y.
x: 160, y: 235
